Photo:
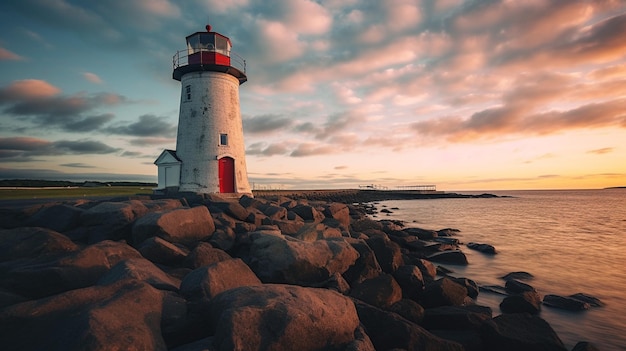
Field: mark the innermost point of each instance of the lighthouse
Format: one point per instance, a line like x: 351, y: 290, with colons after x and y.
x: 210, y: 151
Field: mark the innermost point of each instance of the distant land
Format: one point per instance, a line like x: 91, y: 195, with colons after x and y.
x: 616, y: 187
x: 37, y: 183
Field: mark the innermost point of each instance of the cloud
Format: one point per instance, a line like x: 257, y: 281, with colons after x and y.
x: 311, y: 149
x: 76, y: 165
x: 147, y: 126
x: 92, y: 77
x: 27, y: 90
x: 602, y: 151
x: 23, y: 148
x: 264, y: 149
x: 8, y: 55
x: 264, y: 124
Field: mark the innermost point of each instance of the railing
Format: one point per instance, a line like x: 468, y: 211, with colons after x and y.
x: 181, y: 58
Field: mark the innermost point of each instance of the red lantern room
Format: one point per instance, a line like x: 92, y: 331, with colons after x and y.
x: 209, y: 51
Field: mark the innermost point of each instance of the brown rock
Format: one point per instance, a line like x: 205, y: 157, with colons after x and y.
x: 282, y: 317
x: 186, y: 226
x: 388, y: 330
x: 204, y: 255
x: 122, y: 316
x: 209, y: 281
x: 31, y: 242
x: 142, y: 270
x: 443, y: 292
x: 520, y: 331
x: 283, y: 259
x: 382, y: 291
x: 161, y: 251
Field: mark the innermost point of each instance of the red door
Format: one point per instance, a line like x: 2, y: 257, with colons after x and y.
x: 227, y: 175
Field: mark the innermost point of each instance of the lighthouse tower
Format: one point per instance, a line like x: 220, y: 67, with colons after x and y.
x: 210, y: 152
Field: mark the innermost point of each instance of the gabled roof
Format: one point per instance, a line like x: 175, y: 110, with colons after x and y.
x: 167, y: 156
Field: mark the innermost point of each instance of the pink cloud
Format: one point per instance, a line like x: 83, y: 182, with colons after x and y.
x: 8, y: 55
x: 29, y: 89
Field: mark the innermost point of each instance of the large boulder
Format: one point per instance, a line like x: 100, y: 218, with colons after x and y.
x: 316, y: 231
x: 139, y: 269
x: 387, y: 253
x: 564, y: 302
x: 410, y: 279
x: 185, y: 226
x: 122, y: 316
x: 282, y: 317
x: 161, y: 251
x: 449, y: 256
x: 388, y: 330
x: 30, y: 242
x: 338, y: 211
x: 381, y: 291
x: 204, y: 255
x: 365, y: 267
x: 520, y: 332
x: 59, y: 217
x: 283, y: 259
x: 48, y: 275
x: 209, y: 281
x: 111, y: 220
x: 444, y: 292
x: 308, y: 213
x: 456, y: 317
x: 527, y: 301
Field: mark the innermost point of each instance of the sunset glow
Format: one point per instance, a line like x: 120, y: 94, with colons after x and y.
x: 467, y: 95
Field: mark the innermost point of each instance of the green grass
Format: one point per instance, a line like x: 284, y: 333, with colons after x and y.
x: 40, y: 193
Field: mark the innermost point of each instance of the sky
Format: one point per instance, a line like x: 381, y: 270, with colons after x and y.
x: 464, y: 95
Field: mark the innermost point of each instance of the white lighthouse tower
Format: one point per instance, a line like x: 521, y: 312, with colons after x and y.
x: 210, y: 151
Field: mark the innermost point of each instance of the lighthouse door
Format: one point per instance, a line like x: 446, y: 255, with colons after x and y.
x: 227, y: 175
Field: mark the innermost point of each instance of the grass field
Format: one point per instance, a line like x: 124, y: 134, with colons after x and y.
x: 41, y: 193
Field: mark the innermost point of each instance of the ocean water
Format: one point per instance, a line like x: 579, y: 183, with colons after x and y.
x: 570, y: 240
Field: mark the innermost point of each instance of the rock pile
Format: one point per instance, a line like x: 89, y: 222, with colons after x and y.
x: 208, y: 273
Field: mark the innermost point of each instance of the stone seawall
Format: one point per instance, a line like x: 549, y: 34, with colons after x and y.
x: 201, y: 272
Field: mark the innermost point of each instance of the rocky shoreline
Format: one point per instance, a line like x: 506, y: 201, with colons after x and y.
x: 311, y: 271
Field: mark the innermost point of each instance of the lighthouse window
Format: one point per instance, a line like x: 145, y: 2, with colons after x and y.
x: 223, y: 139
x: 188, y: 93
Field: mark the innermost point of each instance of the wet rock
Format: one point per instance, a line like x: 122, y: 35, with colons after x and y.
x: 183, y: 226
x: 470, y: 285
x: 382, y: 291
x: 527, y: 301
x: 449, y: 257
x: 443, y: 292
x: 122, y: 316
x: 282, y: 317
x: 591, y: 300
x: 565, y: 303
x: 282, y: 259
x: 518, y: 276
x: 484, y: 248
x: 388, y: 330
x: 422, y: 234
x: 520, y: 331
x: 232, y: 209
x: 209, y: 281
x: 513, y: 286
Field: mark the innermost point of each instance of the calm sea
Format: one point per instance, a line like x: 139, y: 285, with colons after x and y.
x: 570, y: 240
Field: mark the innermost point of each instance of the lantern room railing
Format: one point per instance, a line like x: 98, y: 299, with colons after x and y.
x: 181, y: 58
